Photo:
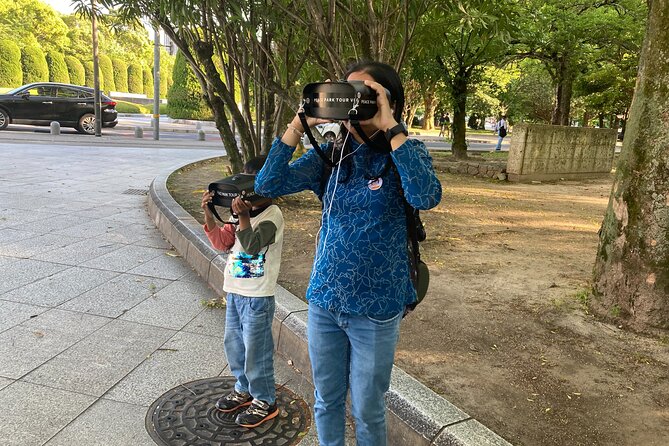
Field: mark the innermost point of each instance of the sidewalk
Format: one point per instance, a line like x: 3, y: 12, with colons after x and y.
x: 99, y: 316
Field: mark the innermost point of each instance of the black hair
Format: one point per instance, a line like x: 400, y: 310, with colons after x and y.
x: 385, y: 75
x: 254, y: 165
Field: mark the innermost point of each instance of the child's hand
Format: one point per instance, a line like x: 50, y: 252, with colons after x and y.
x: 206, y: 199
x: 241, y: 207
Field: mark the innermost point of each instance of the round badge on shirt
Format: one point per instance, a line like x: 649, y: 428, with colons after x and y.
x: 375, y: 184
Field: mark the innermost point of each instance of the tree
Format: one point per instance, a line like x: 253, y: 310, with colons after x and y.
x: 88, y: 73
x: 631, y: 274
x: 467, y: 37
x: 76, y: 70
x: 32, y: 21
x: 10, y: 64
x: 184, y: 97
x: 147, y: 83
x: 135, y: 78
x: 529, y: 97
x: 120, y: 69
x: 34, y: 65
x: 106, y: 74
x: 57, y: 67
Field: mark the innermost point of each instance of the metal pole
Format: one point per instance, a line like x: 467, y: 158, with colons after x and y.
x: 96, y: 72
x: 156, y: 84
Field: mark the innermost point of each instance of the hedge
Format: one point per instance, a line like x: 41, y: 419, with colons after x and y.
x: 57, y: 67
x: 33, y: 64
x: 76, y: 70
x: 88, y: 70
x: 184, y: 97
x: 148, y: 82
x: 135, y: 78
x: 120, y: 75
x: 106, y: 73
x: 11, y: 74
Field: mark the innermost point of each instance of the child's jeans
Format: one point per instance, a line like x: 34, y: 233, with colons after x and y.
x: 249, y: 345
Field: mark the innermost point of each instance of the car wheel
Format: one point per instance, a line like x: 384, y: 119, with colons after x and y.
x: 4, y: 119
x: 87, y: 124
x: 329, y: 136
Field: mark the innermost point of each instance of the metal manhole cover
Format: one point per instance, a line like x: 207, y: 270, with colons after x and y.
x: 186, y: 416
x: 136, y: 192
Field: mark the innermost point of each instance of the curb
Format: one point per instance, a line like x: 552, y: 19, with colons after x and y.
x: 416, y: 415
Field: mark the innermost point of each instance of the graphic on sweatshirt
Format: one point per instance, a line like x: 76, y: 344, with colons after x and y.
x: 247, y: 266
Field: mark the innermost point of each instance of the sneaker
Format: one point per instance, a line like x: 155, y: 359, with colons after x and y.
x: 258, y: 413
x: 233, y: 401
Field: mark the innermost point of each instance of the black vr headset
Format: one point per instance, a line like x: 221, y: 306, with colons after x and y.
x: 339, y: 101
x: 229, y: 188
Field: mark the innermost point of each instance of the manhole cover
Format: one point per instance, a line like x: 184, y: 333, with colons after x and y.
x: 186, y: 416
x: 135, y: 192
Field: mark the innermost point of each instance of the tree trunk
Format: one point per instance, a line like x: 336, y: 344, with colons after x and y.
x: 601, y: 120
x: 631, y: 275
x: 430, y: 102
x: 563, y: 92
x: 586, y: 118
x: 459, y: 95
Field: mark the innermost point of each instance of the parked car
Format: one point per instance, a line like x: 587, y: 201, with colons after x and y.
x: 324, y: 132
x: 43, y: 102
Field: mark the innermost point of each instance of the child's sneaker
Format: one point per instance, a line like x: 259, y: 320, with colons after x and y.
x: 233, y: 401
x: 258, y: 413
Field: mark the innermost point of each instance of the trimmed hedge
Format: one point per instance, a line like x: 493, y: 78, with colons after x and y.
x: 184, y: 97
x: 106, y: 73
x: 164, y: 80
x: 11, y: 74
x: 135, y: 78
x: 33, y: 64
x: 88, y: 70
x: 57, y: 67
x: 148, y: 82
x: 120, y: 75
x: 76, y: 70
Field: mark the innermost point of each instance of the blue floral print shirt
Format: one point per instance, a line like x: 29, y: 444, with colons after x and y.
x: 361, y: 265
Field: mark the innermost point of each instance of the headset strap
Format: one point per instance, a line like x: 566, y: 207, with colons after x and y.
x: 312, y: 140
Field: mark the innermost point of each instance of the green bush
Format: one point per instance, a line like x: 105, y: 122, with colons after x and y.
x: 148, y: 82
x: 131, y: 107
x: 120, y: 75
x: 10, y: 64
x: 76, y: 70
x: 135, y: 78
x: 184, y: 97
x: 57, y: 67
x: 88, y: 74
x: 33, y: 64
x: 106, y: 73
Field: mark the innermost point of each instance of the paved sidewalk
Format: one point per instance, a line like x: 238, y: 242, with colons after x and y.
x: 98, y: 317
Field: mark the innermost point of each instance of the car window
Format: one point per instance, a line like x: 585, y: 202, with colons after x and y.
x: 64, y: 92
x: 40, y: 90
x: 85, y: 94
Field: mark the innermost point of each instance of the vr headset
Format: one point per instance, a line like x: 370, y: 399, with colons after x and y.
x: 340, y: 101
x: 229, y: 188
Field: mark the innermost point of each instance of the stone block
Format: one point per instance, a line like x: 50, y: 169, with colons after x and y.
x: 292, y: 342
x: 469, y: 433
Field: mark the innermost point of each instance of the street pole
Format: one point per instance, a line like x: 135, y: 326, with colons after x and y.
x: 156, y: 84
x: 96, y: 72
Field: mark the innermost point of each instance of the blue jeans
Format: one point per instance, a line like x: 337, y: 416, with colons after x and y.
x: 499, y: 143
x: 353, y: 352
x: 249, y: 346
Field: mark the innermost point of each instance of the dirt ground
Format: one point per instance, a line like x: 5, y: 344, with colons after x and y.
x: 505, y: 333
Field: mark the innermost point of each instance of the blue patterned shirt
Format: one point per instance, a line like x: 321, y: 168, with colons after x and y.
x: 361, y: 266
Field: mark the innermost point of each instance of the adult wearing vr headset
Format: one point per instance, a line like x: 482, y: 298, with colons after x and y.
x: 360, y: 282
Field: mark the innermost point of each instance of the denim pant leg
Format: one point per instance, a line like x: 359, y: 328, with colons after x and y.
x: 499, y: 143
x: 233, y: 343
x: 329, y: 355
x: 255, y: 315
x: 373, y: 345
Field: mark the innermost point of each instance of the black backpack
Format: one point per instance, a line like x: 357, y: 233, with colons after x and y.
x: 502, y: 130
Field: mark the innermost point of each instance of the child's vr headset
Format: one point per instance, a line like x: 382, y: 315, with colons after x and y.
x: 340, y: 101
x: 229, y: 188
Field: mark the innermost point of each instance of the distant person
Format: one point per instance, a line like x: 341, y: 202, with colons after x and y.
x: 444, y: 124
x: 250, y: 278
x: 502, y: 128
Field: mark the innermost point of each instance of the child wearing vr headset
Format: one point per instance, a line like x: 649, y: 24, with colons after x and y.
x: 360, y: 283
x: 251, y: 272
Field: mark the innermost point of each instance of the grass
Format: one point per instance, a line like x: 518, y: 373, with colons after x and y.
x: 133, y: 108
x: 4, y: 90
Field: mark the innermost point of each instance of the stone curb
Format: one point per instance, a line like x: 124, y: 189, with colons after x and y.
x: 417, y: 416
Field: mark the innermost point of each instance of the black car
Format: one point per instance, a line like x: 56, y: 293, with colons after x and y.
x: 43, y: 102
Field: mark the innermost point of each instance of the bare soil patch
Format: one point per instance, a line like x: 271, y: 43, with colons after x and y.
x: 505, y: 333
